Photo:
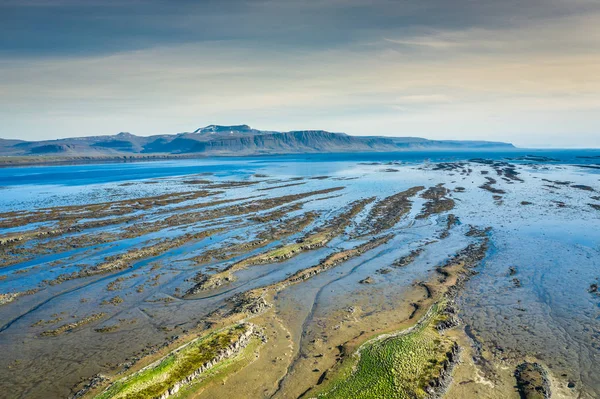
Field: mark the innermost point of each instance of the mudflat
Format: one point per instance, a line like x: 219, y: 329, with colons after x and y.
x: 469, y: 275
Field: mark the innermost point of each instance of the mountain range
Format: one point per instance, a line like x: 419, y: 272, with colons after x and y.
x: 216, y: 140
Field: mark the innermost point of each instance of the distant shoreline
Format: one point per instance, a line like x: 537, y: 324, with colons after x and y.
x: 33, y: 160
x: 8, y: 161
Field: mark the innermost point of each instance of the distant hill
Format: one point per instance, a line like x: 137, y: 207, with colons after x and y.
x: 215, y: 140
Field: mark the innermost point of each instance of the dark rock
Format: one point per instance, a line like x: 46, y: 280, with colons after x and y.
x: 583, y: 187
x: 516, y: 282
x: 532, y: 381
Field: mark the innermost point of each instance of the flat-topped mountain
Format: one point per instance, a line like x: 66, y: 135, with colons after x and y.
x: 231, y: 140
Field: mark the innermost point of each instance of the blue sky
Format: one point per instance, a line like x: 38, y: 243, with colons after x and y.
x: 519, y: 71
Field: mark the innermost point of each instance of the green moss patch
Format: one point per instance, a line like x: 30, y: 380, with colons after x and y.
x: 155, y: 380
x: 398, y: 366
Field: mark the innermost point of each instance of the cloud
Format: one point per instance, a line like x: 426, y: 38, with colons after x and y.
x: 425, y: 99
x: 387, y: 67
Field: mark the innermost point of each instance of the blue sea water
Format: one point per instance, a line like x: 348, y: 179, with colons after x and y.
x: 93, y: 173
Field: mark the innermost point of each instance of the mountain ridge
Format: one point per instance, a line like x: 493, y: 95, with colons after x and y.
x: 223, y: 140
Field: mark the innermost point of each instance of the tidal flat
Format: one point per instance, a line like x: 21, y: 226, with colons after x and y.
x: 417, y: 275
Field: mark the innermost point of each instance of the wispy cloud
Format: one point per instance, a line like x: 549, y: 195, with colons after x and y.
x: 426, y: 42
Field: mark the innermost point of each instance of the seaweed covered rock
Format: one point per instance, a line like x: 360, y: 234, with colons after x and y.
x: 532, y: 381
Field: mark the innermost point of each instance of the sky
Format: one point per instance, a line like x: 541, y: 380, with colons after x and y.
x: 527, y: 72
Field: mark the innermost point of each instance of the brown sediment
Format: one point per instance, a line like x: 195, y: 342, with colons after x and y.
x: 11, y: 296
x: 266, y: 236
x: 582, y: 187
x: 438, y: 202
x: 245, y: 208
x: 47, y: 322
x: 201, y: 205
x: 489, y: 186
x: 15, y: 251
x: 255, y: 303
x: 388, y: 211
x: 451, y: 221
x: 503, y: 169
x: 197, y: 181
x: 115, y: 327
x: 532, y: 381
x: 180, y: 218
x: 334, y: 260
x: 98, y: 210
x: 115, y: 285
x: 315, y: 239
x: 23, y: 253
x: 232, y: 184
x: 276, y: 214
x: 19, y: 253
x: 459, y: 167
x: 72, y: 326
x: 561, y: 183
x: 408, y: 259
x: 107, y: 329
x: 475, y: 231
x: 282, y: 186
x: 456, y: 271
x: 125, y: 260
x: 467, y: 258
x: 550, y: 186
x: 243, y: 247
x: 113, y: 301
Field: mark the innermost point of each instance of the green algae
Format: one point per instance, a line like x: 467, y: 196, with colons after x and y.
x: 396, y: 366
x: 157, y: 379
x: 221, y: 371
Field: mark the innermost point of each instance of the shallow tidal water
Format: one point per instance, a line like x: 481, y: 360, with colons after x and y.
x: 530, y: 298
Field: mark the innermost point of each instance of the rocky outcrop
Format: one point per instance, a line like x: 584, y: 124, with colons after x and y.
x: 11, y: 296
x: 334, y: 260
x: 72, y: 326
x: 408, y: 259
x: 249, y: 303
x: 437, y: 201
x: 224, y: 353
x: 532, y: 381
x: 437, y: 386
x: 387, y: 212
